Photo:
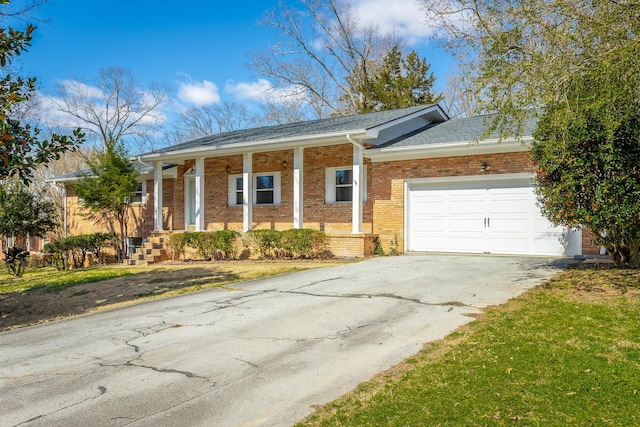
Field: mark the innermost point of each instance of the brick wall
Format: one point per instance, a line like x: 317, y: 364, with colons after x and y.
x: 140, y: 222
x: 383, y: 214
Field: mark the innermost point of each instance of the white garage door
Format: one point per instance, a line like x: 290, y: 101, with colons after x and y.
x: 498, y: 216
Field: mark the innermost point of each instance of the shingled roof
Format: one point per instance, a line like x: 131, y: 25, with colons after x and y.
x: 361, y: 122
x: 458, y: 130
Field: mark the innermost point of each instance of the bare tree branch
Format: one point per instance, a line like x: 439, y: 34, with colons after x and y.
x: 115, y: 109
x: 325, y: 51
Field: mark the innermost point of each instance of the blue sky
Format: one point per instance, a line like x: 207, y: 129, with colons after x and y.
x: 197, y: 48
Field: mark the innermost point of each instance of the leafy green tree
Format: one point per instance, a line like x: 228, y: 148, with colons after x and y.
x: 22, y: 214
x: 402, y: 81
x: 21, y: 150
x: 575, y: 65
x: 106, y: 190
x: 589, y: 165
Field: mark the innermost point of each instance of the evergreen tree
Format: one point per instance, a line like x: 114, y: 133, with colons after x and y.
x: 402, y: 81
x: 105, y: 192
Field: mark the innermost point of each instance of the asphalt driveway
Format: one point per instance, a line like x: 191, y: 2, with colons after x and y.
x: 261, y: 353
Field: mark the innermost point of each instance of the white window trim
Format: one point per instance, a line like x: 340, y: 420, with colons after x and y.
x: 277, y: 187
x: 232, y: 191
x: 143, y: 199
x: 330, y: 185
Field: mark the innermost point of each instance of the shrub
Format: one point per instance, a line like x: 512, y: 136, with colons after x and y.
x: 77, y: 247
x: 203, y: 242
x: 16, y: 260
x: 177, y: 244
x: 226, y: 242
x: 268, y: 242
x: 210, y: 245
x: 305, y: 243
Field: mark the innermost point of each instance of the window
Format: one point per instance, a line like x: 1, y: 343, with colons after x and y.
x: 138, y: 196
x: 266, y: 189
x: 238, y: 191
x: 339, y: 185
x: 344, y: 185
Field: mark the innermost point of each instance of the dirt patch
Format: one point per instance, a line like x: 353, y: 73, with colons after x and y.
x: 18, y: 309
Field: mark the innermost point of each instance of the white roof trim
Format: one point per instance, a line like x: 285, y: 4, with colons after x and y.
x: 259, y: 146
x: 463, y: 148
x: 373, y: 132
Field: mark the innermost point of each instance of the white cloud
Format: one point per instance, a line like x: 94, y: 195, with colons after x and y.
x: 405, y: 17
x: 263, y: 90
x: 81, y: 89
x: 198, y: 93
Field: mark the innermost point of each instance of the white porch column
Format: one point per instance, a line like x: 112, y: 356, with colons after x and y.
x: 157, y: 196
x: 298, y: 196
x: 247, y: 192
x: 358, y: 181
x: 199, y: 194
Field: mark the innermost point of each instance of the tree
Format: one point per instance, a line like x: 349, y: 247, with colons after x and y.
x: 589, y: 166
x: 207, y: 120
x: 105, y: 191
x: 574, y: 64
x: 325, y: 54
x: 401, y: 81
x: 113, y: 110
x: 23, y: 213
x: 21, y: 150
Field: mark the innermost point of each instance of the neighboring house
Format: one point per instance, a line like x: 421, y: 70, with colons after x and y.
x: 412, y: 178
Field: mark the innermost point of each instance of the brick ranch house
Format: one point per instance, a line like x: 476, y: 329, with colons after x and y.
x: 412, y: 177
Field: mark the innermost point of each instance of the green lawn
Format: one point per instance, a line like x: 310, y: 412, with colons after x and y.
x: 53, y: 280
x: 566, y: 353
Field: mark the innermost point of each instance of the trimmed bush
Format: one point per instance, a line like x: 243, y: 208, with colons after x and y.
x: 305, y: 243
x: 177, y: 244
x: 226, y: 242
x: 294, y: 243
x: 209, y: 244
x: 268, y: 242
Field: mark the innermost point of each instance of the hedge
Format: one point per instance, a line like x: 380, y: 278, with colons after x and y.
x: 210, y: 245
x: 295, y: 243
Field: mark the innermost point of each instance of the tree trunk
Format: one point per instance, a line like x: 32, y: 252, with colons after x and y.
x: 625, y: 256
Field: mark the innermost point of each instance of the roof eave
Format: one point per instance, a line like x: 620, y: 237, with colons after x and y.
x: 461, y: 148
x: 260, y: 146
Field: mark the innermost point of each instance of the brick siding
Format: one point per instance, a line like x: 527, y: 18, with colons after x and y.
x: 383, y: 214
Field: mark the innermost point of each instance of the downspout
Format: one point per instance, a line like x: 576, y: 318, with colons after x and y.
x: 356, y: 143
x: 357, y: 214
x: 64, y: 207
x: 139, y: 159
x: 64, y: 210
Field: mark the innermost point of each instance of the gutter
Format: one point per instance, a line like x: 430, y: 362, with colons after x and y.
x: 356, y: 143
x: 255, y: 146
x: 461, y: 148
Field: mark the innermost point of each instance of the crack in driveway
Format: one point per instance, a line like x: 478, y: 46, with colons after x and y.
x: 376, y: 295
x: 101, y: 389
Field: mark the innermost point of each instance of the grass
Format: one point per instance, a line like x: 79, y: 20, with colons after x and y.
x: 53, y: 280
x: 565, y: 354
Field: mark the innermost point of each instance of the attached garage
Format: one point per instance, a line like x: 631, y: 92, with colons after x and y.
x: 495, y: 214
